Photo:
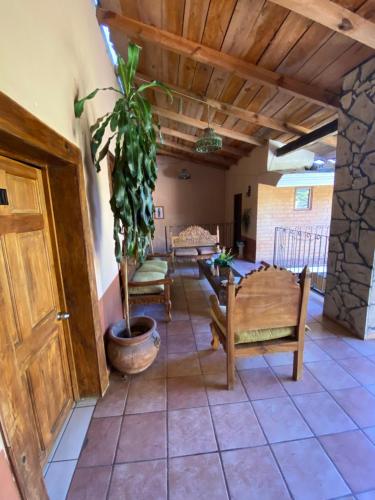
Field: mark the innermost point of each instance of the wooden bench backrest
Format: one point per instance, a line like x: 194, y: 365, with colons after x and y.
x: 194, y: 236
x: 267, y: 298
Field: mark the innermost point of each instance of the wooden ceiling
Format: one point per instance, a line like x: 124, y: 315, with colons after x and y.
x: 267, y: 72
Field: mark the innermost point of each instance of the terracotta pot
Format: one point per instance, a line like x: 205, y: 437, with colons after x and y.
x: 135, y: 354
x: 224, y: 271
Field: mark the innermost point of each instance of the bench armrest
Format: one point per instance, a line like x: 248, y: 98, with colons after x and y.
x: 165, y: 281
x: 160, y: 254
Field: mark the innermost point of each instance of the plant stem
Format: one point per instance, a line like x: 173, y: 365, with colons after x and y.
x: 124, y: 275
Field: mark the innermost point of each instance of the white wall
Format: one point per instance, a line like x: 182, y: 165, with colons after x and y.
x: 50, y: 52
x: 294, y: 160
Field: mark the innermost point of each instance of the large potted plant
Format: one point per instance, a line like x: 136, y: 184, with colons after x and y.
x: 223, y: 262
x: 133, y: 342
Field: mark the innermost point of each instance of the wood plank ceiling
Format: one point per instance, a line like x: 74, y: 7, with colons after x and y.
x: 260, y: 32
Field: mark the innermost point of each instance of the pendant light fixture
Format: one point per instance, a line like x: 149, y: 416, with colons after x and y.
x: 209, y: 142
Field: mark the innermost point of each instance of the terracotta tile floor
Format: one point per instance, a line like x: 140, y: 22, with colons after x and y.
x: 175, y: 432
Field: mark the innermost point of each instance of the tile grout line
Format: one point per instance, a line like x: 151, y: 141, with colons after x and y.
x: 269, y: 446
x: 320, y: 392
x: 217, y: 443
x: 314, y: 435
x: 191, y: 313
x: 129, y: 379
x: 331, y: 460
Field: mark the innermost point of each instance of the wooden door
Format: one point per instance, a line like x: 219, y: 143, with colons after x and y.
x: 32, y: 346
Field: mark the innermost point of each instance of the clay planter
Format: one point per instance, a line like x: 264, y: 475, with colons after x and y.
x: 135, y: 354
x: 224, y: 272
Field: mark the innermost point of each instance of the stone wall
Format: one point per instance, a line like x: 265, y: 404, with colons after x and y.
x: 350, y: 294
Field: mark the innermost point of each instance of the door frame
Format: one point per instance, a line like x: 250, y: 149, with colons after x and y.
x: 237, y: 196
x: 25, y: 138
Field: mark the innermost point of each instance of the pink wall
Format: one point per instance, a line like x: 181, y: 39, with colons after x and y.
x: 196, y: 201
x: 8, y: 487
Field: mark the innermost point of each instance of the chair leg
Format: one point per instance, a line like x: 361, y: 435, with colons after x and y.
x: 230, y: 372
x: 215, y: 342
x: 168, y: 309
x: 297, y: 364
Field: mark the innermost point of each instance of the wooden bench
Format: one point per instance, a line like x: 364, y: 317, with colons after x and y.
x: 194, y: 243
x: 149, y: 283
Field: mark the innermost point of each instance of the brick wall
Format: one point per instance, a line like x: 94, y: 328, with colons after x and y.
x: 276, y: 209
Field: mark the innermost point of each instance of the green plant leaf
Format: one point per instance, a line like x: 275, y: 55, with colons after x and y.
x: 121, y: 69
x: 133, y: 60
x: 79, y: 104
x: 156, y: 83
x: 135, y: 168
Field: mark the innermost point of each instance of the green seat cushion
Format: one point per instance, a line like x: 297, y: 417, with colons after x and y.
x: 155, y: 266
x: 250, y: 335
x: 144, y: 277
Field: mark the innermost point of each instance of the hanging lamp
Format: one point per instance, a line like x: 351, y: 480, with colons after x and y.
x: 209, y: 142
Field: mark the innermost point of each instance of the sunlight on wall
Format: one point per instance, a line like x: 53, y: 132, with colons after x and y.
x: 58, y: 52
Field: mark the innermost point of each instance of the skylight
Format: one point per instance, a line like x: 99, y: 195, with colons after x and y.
x: 109, y: 45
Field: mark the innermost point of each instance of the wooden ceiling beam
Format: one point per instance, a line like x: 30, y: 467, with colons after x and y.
x: 189, y: 157
x: 235, y: 111
x: 193, y: 122
x: 242, y: 114
x: 215, y: 58
x: 334, y: 17
x: 233, y: 152
x: 216, y: 160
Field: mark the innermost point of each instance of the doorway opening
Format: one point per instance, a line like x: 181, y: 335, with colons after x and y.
x: 237, y: 217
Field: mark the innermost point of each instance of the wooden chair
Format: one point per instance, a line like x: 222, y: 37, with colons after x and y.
x: 265, y: 313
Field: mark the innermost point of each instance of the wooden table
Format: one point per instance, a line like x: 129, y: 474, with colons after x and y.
x: 215, y: 281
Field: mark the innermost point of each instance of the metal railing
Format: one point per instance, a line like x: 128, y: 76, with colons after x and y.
x: 225, y: 232
x: 295, y: 248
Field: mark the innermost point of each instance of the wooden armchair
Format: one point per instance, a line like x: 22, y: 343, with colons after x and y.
x: 265, y: 313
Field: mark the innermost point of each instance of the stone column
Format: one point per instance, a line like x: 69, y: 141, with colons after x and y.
x: 350, y: 290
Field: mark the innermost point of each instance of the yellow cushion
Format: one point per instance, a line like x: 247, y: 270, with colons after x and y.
x: 156, y: 266
x: 144, y: 277
x: 219, y: 316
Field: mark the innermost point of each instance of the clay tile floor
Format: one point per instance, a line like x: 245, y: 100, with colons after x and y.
x: 175, y: 432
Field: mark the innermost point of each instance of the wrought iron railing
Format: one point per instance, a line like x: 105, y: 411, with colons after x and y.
x: 295, y: 248
x: 225, y: 232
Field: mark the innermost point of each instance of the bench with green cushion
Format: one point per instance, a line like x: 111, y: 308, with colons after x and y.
x: 156, y: 266
x: 218, y: 314
x: 150, y: 283
x: 144, y: 276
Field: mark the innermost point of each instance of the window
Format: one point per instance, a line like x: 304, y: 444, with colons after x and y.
x: 302, y: 198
